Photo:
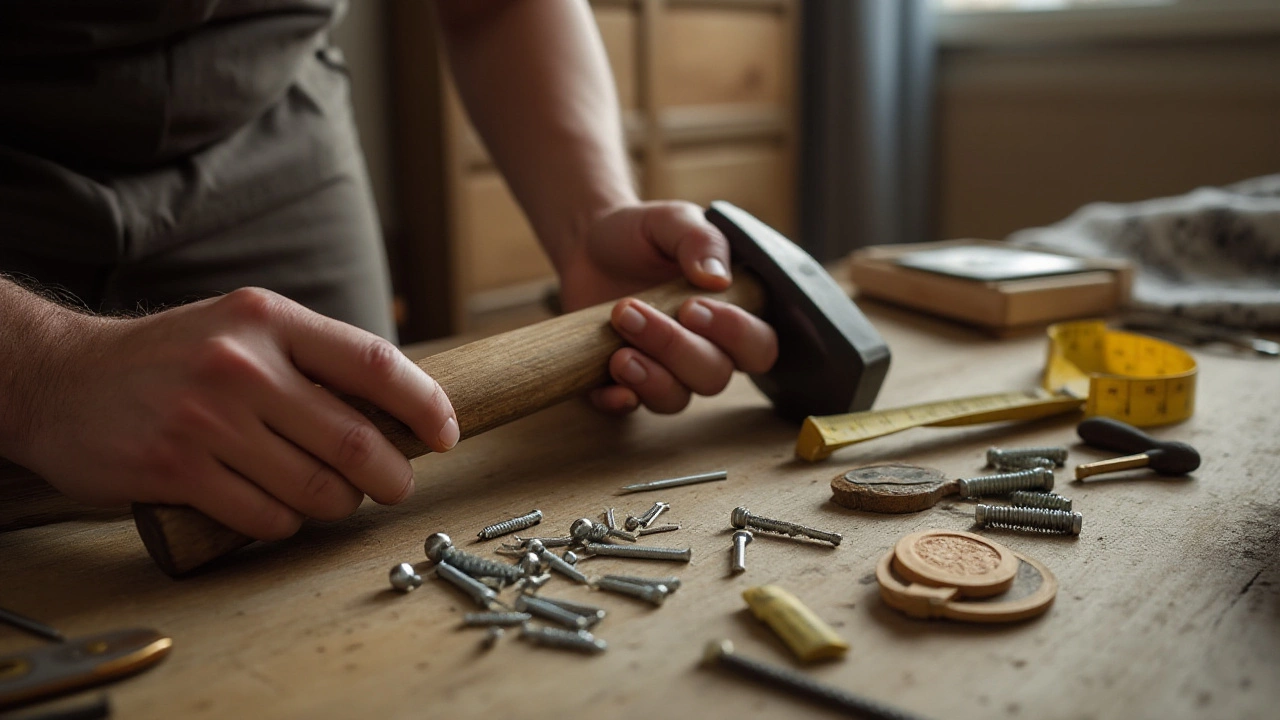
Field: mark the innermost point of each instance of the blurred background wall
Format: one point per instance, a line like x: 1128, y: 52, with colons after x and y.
x: 1032, y: 108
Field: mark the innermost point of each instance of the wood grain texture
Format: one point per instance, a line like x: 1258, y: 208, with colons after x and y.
x: 1169, y: 604
x: 490, y: 383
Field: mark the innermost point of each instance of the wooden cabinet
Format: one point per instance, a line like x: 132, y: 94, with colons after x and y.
x: 707, y: 91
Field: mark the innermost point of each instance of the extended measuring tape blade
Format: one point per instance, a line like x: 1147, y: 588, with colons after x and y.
x: 1137, y: 379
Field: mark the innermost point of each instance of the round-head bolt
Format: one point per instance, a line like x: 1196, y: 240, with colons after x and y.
x: 741, y: 539
x: 570, y: 557
x: 404, y: 578
x: 739, y: 517
x: 435, y: 546
x: 531, y: 564
x: 581, y: 528
x: 536, y: 547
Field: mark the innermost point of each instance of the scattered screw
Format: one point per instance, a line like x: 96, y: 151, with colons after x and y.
x: 650, y: 515
x: 487, y: 619
x: 592, y: 613
x: 529, y: 519
x: 997, y: 455
x: 551, y: 542
x: 588, y: 530
x: 531, y: 564
x: 741, y: 539
x: 610, y: 519
x: 555, y: 637
x: 557, y: 564
x: 1004, y: 483
x: 1024, y: 463
x: 532, y: 583
x: 483, y: 595
x: 720, y: 653
x: 1059, y: 521
x: 570, y: 557
x: 639, y: 552
x: 551, y: 612
x: 652, y: 594
x: 1029, y: 498
x: 676, y: 482
x: 657, y: 529
x: 742, y: 518
x: 491, y: 637
x: 671, y: 583
x: 439, y: 548
x: 404, y: 578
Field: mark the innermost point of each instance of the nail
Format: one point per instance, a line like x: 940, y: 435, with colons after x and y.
x: 631, y: 320
x: 713, y: 266
x: 633, y: 373
x: 697, y: 316
x: 449, y: 433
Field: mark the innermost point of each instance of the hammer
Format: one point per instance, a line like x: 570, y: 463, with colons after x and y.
x: 831, y: 360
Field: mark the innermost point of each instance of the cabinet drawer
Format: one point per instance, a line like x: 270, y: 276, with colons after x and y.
x: 714, y: 56
x: 756, y: 177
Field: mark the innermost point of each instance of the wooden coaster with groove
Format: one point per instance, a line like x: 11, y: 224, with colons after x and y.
x: 1033, y: 591
x: 971, y: 564
x: 891, y: 488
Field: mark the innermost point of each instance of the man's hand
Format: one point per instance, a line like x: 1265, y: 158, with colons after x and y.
x: 216, y: 405
x: 635, y: 247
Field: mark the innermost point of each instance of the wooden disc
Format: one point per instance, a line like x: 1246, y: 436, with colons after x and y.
x: 891, y: 488
x: 1031, y: 594
x: 975, y: 566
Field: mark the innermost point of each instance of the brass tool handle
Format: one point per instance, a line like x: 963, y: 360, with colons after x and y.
x: 490, y: 382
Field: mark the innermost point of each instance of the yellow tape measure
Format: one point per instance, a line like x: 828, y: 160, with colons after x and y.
x: 1134, y: 378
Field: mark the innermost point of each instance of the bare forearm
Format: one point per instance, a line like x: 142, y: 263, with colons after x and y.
x: 536, y: 81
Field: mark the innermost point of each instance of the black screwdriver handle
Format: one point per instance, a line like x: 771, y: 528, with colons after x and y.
x: 1166, y: 457
x: 1173, y: 458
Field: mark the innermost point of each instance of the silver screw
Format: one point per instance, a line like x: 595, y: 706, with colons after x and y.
x: 551, y: 542
x: 650, y: 515
x: 570, y: 557
x: 1058, y: 521
x: 550, y: 611
x: 1024, y: 463
x: 652, y: 529
x: 676, y: 482
x: 529, y: 519
x: 610, y: 519
x: 592, y: 613
x: 588, y: 530
x: 439, y: 548
x: 721, y: 653
x: 1004, y: 483
x: 491, y: 637
x: 531, y: 564
x: 997, y: 455
x: 555, y: 637
x: 404, y: 578
x: 652, y: 594
x: 486, y: 619
x: 557, y: 564
x: 483, y: 595
x: 741, y: 539
x: 742, y: 518
x: 639, y: 552
x: 532, y: 583
x: 672, y: 583
x: 1048, y: 501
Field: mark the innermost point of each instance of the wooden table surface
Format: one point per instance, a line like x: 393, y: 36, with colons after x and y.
x: 1169, y: 603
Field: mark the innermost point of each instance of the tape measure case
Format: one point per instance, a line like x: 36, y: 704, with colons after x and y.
x: 990, y: 284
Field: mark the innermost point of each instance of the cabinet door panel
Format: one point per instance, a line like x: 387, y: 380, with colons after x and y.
x: 723, y: 56
x: 755, y: 177
x: 498, y: 244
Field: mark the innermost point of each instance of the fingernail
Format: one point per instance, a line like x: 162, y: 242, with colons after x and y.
x: 697, y: 316
x: 449, y: 433
x: 713, y: 266
x: 633, y: 373
x: 631, y: 320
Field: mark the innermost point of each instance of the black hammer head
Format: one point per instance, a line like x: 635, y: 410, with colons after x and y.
x: 830, y: 360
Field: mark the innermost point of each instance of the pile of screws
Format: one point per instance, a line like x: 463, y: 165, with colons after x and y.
x: 566, y: 624
x: 1027, y: 482
x: 741, y: 519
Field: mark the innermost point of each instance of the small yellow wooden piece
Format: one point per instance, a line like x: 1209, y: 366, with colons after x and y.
x: 804, y: 632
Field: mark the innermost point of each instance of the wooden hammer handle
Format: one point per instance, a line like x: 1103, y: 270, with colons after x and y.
x: 490, y: 382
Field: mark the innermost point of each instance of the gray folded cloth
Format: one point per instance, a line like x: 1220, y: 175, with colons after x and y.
x: 1212, y: 255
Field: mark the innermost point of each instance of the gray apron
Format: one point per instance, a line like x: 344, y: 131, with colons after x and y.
x: 154, y: 152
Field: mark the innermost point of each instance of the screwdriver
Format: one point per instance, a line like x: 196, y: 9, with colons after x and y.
x: 1166, y: 457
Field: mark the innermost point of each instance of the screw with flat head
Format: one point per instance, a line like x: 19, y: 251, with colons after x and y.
x: 652, y: 594
x: 439, y: 548
x: 581, y: 640
x: 588, y: 530
x: 529, y: 519
x: 721, y: 653
x: 742, y: 518
x: 1058, y: 521
x: 404, y: 578
x: 1037, y: 478
x: 557, y: 564
x: 481, y: 594
x: 639, y: 552
x: 741, y: 539
x: 648, y: 517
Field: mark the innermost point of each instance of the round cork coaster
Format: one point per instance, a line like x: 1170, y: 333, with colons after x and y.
x: 975, y: 566
x: 1031, y: 594
x: 891, y: 488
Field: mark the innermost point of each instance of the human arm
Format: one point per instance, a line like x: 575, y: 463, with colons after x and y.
x: 213, y: 405
x: 536, y: 82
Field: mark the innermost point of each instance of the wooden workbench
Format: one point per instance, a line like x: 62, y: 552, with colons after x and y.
x: 1169, y: 602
